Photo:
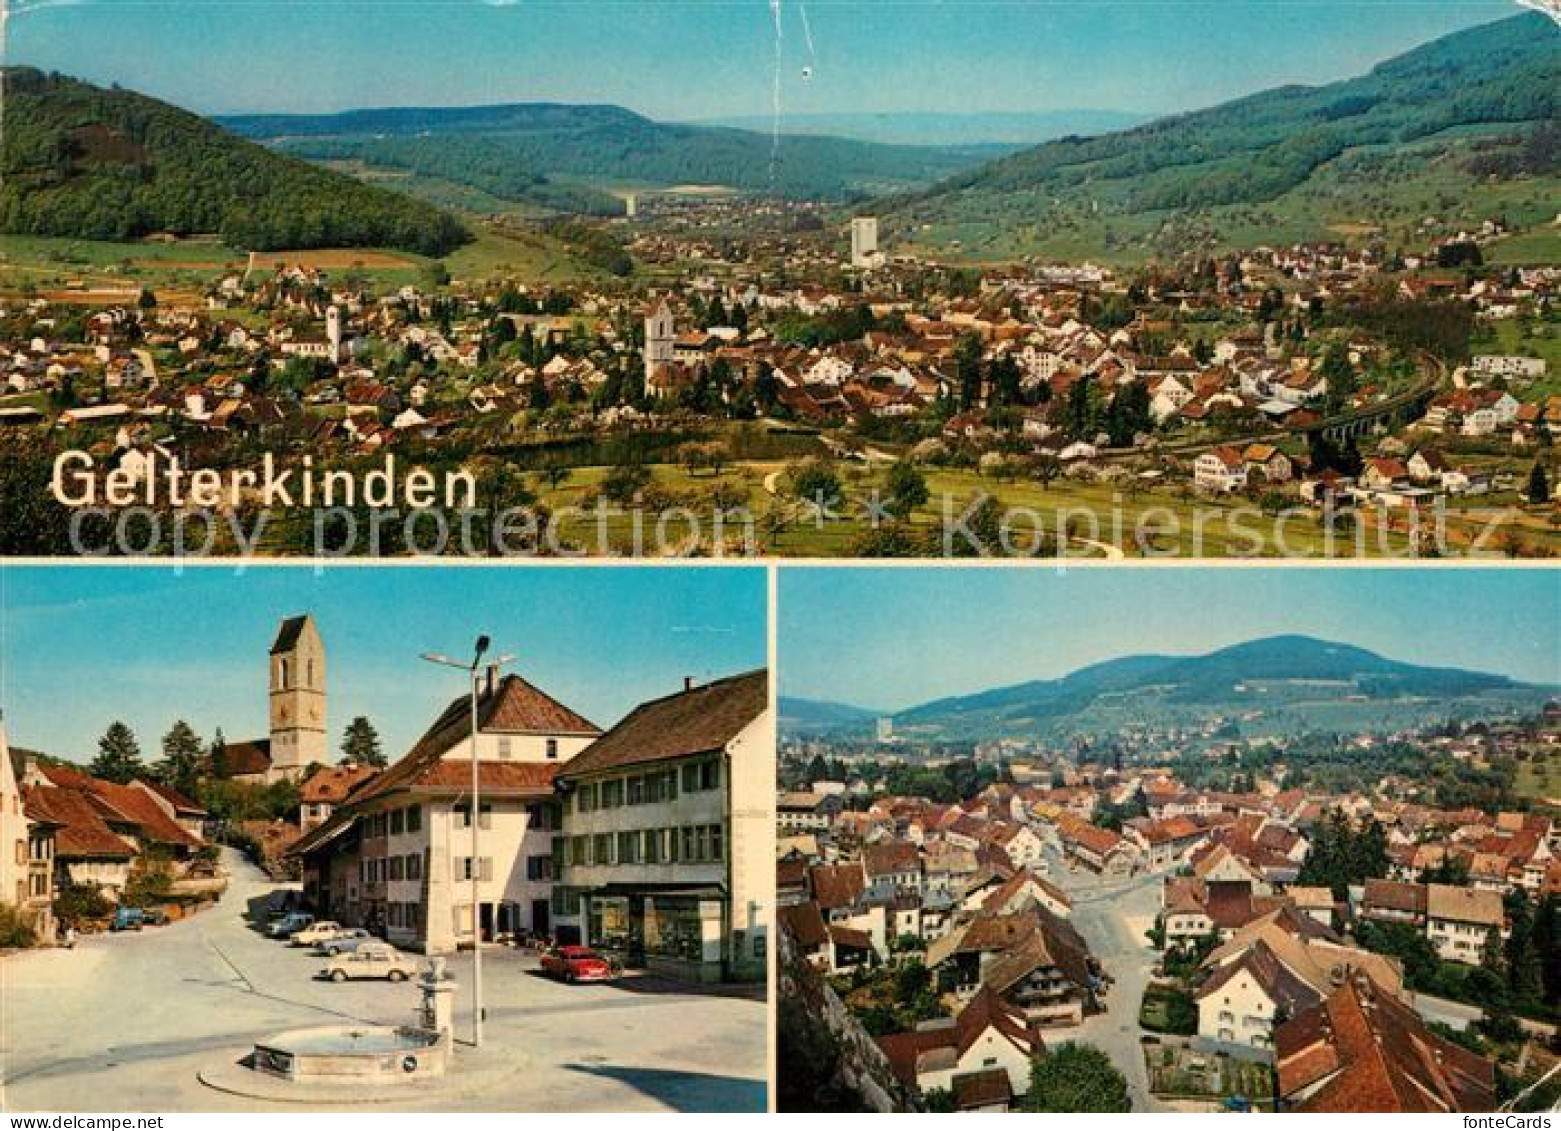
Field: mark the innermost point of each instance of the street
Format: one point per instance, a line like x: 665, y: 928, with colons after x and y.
x: 125, y: 1022
x: 1112, y: 915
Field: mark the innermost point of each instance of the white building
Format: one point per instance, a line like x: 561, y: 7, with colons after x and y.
x: 399, y: 855
x: 1460, y: 919
x: 668, y: 830
x: 864, y: 242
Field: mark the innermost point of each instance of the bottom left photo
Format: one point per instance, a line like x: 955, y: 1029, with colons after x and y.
x: 385, y: 838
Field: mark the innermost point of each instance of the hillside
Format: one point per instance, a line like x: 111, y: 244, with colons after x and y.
x: 808, y: 716
x: 1440, y: 131
x: 89, y: 163
x: 606, y: 144
x: 1282, y: 684
x: 951, y: 128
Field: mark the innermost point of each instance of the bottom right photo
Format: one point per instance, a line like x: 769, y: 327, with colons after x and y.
x: 1169, y: 839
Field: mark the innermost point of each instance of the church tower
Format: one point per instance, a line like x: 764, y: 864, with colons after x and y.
x: 297, y: 698
x: 660, y: 340
x: 333, y: 332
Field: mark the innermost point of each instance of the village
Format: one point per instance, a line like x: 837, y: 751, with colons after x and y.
x: 618, y: 881
x: 798, y: 376
x: 1053, y: 929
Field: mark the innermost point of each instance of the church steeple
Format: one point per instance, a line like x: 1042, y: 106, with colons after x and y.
x: 297, y: 697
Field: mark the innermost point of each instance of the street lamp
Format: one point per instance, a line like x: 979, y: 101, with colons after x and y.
x: 474, y: 866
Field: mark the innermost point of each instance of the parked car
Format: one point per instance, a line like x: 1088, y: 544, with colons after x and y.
x: 128, y: 919
x: 155, y: 917
x: 280, y: 904
x: 345, y: 941
x: 371, y: 960
x: 290, y: 924
x: 321, y: 930
x: 576, y: 964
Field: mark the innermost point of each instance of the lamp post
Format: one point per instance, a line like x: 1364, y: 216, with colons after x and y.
x: 475, y: 820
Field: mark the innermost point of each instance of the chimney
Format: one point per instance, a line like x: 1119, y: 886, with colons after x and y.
x: 493, y: 677
x: 688, y: 683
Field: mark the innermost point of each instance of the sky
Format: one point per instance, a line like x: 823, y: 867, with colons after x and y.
x: 889, y: 639
x: 83, y: 646
x: 695, y: 59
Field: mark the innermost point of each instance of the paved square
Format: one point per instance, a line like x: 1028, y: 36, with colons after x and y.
x: 124, y: 1022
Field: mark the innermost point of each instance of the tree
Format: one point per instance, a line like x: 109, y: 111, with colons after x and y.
x: 1337, y: 369
x: 360, y: 744
x: 1524, y: 963
x: 119, y: 755
x: 1538, y: 490
x: 967, y: 370
x: 907, y: 489
x: 817, y: 482
x: 625, y: 481
x: 1547, y: 944
x: 181, y: 761
x: 1076, y: 1078
x: 219, y: 756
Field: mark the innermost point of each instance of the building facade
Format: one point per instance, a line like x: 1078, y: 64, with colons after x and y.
x: 666, y: 831
x: 396, y: 856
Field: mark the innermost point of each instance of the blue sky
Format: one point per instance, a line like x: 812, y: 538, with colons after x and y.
x: 715, y: 58
x: 888, y: 639
x: 80, y: 647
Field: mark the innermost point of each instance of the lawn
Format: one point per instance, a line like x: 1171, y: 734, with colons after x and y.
x: 1539, y: 777
x: 1141, y: 522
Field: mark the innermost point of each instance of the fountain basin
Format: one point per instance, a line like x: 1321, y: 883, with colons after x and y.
x: 352, y: 1051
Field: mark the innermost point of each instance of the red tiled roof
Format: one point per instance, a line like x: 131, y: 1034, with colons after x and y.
x: 81, y: 830
x: 246, y: 759
x: 127, y: 804
x: 179, y: 801
x: 334, y: 783
x: 984, y: 1011
x: 514, y: 706
x: 700, y: 720
x: 1363, y: 1050
x: 805, y: 923
x: 986, y: 1088
x: 836, y: 885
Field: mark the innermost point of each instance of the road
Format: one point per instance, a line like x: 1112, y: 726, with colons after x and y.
x: 124, y: 1022
x: 1112, y: 915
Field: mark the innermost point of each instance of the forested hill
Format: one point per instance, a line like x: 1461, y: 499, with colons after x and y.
x: 85, y: 162
x: 606, y: 143
x: 1499, y: 81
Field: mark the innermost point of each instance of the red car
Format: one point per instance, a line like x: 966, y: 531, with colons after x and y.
x: 576, y: 964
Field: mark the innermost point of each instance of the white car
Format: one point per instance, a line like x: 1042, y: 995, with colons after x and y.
x: 371, y: 960
x: 317, y: 933
x: 345, y: 940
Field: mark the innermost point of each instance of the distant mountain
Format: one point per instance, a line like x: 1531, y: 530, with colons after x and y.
x: 1445, y: 120
x: 962, y: 131
x: 804, y: 716
x: 85, y: 162
x: 604, y: 144
x: 1278, y: 684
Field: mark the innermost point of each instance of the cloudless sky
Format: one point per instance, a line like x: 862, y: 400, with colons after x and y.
x: 888, y: 639
x: 81, y: 647
x: 715, y: 58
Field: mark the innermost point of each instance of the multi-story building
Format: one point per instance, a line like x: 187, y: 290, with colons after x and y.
x: 327, y: 788
x: 1460, y: 920
x: 26, y: 852
x: 397, y: 856
x: 13, y: 849
x: 666, y: 833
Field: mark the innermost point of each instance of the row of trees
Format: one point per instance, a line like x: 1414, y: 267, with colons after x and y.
x: 188, y: 762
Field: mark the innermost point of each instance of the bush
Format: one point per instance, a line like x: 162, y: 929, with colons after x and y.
x: 149, y: 886
x: 14, y: 933
x: 78, y: 903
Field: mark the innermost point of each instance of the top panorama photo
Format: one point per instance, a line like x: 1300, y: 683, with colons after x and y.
x: 770, y: 279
